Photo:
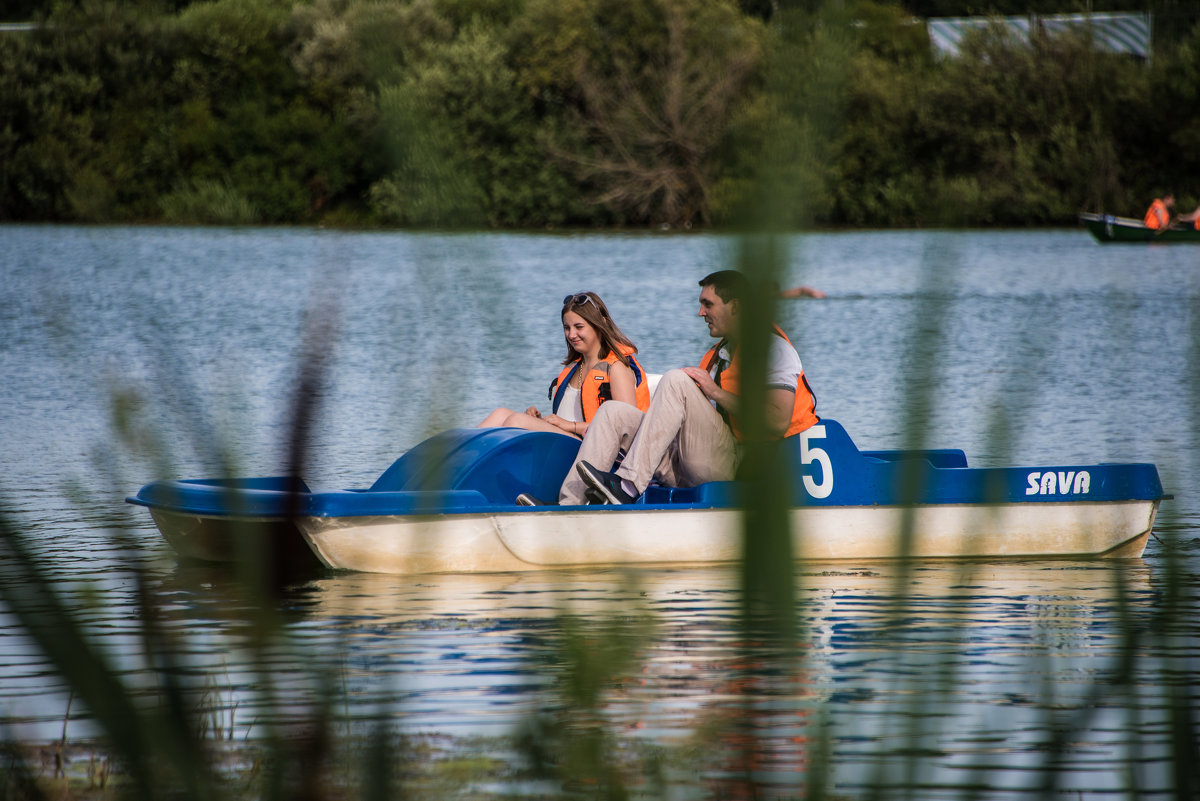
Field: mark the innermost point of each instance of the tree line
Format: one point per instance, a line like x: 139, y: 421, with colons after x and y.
x: 577, y: 113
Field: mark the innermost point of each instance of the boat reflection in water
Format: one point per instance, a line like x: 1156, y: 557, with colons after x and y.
x: 947, y: 675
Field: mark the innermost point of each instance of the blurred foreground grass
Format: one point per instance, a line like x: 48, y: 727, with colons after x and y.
x: 173, y: 738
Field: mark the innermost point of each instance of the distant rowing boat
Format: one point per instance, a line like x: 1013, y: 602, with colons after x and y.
x: 1107, y: 228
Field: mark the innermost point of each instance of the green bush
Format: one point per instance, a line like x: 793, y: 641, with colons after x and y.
x: 429, y: 184
x: 208, y: 203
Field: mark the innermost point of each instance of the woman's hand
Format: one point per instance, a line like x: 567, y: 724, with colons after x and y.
x: 532, y: 411
x: 567, y: 426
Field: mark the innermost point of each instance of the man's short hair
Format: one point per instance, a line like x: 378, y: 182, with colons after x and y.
x: 728, y: 284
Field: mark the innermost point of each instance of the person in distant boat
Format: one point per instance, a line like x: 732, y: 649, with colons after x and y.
x: 1193, y: 218
x: 600, y: 366
x: 1158, y: 216
x: 690, y: 433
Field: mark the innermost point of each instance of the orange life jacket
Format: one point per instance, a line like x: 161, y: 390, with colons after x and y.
x: 804, y: 408
x: 596, y: 388
x: 1157, y: 215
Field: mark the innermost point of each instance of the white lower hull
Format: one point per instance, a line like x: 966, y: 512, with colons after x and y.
x: 514, y: 541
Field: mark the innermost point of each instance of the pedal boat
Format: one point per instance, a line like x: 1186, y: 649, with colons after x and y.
x: 448, y: 506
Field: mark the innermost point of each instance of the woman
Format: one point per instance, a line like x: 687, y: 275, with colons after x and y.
x: 600, y: 365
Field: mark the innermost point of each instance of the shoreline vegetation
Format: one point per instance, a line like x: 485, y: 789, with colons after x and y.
x: 592, y: 114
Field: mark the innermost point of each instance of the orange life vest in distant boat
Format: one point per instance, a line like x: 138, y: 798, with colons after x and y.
x: 804, y: 407
x: 596, y: 387
x: 1157, y: 215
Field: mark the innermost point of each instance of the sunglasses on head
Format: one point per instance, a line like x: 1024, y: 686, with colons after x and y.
x: 577, y: 300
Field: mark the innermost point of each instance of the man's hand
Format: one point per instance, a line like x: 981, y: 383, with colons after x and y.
x: 703, y: 380
x: 779, y: 401
x: 723, y: 398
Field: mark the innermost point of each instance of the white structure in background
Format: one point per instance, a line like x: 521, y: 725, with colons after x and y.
x: 1117, y: 33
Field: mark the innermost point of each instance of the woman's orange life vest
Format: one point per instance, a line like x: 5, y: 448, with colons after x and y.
x: 596, y: 388
x: 804, y: 408
x: 1157, y: 215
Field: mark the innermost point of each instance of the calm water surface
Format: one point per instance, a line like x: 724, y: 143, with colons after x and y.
x: 1033, y: 347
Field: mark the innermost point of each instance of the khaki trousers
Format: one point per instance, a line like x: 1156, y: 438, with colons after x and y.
x: 681, y: 441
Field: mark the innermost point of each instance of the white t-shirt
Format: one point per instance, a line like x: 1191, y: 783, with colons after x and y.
x: 570, y: 408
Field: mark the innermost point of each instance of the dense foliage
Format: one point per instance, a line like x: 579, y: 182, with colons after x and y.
x: 538, y: 113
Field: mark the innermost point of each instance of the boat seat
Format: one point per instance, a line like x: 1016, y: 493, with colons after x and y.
x: 497, y: 463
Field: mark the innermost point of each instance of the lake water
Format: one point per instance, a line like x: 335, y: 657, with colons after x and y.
x: 1035, y: 347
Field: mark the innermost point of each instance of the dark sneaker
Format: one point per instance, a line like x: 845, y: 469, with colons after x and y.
x: 525, y: 499
x: 606, y: 484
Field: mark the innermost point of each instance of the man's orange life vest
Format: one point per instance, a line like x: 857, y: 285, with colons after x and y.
x: 1157, y: 215
x: 804, y: 408
x: 596, y: 388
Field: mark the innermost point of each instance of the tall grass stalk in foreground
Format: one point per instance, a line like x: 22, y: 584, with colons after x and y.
x: 806, y: 75
x: 165, y: 737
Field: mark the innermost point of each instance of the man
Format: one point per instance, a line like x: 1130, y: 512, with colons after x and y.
x: 689, y: 434
x: 1193, y: 218
x: 1158, y: 216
